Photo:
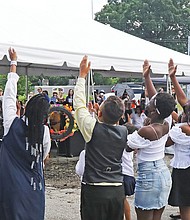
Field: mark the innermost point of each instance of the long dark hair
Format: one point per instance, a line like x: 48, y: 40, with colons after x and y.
x: 36, y: 114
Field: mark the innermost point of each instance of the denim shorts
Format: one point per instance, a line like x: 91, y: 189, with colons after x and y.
x: 153, y: 185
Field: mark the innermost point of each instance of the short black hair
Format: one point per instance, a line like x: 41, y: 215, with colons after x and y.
x: 165, y: 103
x: 112, y: 110
x: 138, y: 107
x: 46, y: 92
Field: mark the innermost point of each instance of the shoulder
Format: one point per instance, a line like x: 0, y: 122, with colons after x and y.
x: 145, y: 132
x: 185, y: 129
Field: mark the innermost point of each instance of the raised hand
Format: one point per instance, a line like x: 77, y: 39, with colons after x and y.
x: 84, y: 67
x: 93, y: 108
x: 146, y: 68
x: 12, y: 54
x: 171, y: 68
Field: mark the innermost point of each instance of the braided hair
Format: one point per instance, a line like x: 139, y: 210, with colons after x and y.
x: 36, y: 113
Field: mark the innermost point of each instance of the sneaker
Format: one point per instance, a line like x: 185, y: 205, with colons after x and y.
x: 175, y: 216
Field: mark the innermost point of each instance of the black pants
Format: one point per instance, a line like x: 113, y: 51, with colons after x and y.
x: 102, y: 202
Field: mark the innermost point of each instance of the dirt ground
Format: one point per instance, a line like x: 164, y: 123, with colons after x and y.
x: 63, y: 190
x: 60, y: 173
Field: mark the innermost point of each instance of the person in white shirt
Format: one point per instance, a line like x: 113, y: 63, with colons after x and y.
x: 180, y: 136
x: 138, y: 117
x: 25, y: 144
x: 153, y: 182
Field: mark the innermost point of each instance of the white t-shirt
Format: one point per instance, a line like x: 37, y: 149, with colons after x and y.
x: 127, y: 163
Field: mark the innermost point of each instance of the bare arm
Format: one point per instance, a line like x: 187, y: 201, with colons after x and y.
x: 169, y: 142
x: 181, y: 97
x: 148, y: 82
x: 175, y: 116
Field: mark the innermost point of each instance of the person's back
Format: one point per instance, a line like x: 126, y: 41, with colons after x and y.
x: 25, y: 144
x: 102, y: 192
x: 104, y: 152
x: 21, y: 184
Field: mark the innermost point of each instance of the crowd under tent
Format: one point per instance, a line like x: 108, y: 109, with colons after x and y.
x: 50, y: 42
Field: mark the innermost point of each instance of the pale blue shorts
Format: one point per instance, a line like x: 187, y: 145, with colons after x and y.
x: 153, y: 185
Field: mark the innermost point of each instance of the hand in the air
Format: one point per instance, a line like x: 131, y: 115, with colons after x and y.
x: 84, y: 67
x: 12, y: 54
x: 146, y: 68
x: 172, y: 68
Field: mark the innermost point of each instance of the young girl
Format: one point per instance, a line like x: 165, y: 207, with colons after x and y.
x: 153, y: 182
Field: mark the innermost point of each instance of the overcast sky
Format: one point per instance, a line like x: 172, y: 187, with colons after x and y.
x: 70, y: 8
x: 98, y: 4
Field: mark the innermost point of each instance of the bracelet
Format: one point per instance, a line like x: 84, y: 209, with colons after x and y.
x: 13, y: 62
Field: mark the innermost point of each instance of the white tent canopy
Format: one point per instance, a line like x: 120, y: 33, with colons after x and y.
x: 50, y: 38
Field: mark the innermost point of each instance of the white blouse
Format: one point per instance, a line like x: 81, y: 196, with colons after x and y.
x: 181, y: 141
x: 147, y: 150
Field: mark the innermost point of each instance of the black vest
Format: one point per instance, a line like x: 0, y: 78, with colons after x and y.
x: 103, y: 154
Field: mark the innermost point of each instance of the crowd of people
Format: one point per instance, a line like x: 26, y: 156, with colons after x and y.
x: 113, y: 134
x: 58, y: 97
x: 102, y: 174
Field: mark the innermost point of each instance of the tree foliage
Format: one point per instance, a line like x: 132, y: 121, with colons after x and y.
x: 100, y: 80
x: 165, y: 22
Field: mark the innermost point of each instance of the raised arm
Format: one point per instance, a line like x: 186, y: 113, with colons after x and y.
x: 181, y: 97
x: 83, y: 118
x: 148, y: 82
x: 9, y: 99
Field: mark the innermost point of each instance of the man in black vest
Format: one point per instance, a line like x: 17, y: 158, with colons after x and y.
x: 102, y: 192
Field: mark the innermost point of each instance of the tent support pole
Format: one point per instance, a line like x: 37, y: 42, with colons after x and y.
x: 26, y: 83
x: 169, y: 85
x: 88, y: 89
x: 92, y: 81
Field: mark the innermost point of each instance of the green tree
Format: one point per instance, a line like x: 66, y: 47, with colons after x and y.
x: 3, y: 79
x: 165, y: 22
x: 21, y: 86
x: 101, y: 80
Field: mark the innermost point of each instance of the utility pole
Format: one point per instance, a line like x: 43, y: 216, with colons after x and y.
x: 92, y: 9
